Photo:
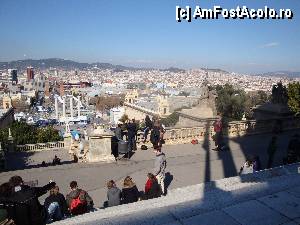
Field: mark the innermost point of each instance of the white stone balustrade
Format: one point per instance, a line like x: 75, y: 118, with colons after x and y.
x: 234, y: 129
x: 184, y: 135
x: 40, y: 146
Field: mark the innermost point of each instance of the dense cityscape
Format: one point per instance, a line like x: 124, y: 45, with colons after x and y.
x: 128, y: 113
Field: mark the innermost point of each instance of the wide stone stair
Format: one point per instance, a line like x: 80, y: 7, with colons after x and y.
x: 267, y: 197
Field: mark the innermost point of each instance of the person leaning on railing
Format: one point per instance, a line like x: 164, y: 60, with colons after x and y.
x: 22, y: 203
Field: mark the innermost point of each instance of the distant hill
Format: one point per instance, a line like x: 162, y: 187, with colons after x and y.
x: 214, y: 70
x: 174, y: 70
x: 70, y: 64
x: 59, y: 64
x: 282, y: 74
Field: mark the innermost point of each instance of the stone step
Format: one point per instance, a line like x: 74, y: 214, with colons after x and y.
x: 184, y: 203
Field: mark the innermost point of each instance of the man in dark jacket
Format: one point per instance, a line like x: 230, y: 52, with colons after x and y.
x: 118, y: 132
x: 131, y: 133
x: 148, y: 127
x: 83, y: 196
x: 155, y: 136
x: 25, y: 207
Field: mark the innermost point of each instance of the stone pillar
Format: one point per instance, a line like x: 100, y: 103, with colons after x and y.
x: 11, y: 145
x: 64, y: 108
x: 71, y: 106
x: 56, y: 109
x: 78, y: 106
x: 67, y: 142
x: 100, y: 146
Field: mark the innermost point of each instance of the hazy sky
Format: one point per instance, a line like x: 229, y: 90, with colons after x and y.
x: 145, y: 33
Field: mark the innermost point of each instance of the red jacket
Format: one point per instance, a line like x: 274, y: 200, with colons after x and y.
x: 148, y: 185
x: 218, y: 126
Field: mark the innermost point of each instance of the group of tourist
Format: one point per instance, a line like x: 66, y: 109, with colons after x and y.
x: 19, y: 202
x: 129, y: 130
x: 130, y: 192
x: 154, y: 187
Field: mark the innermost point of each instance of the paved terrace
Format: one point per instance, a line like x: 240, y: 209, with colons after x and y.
x: 269, y: 197
x: 187, y: 165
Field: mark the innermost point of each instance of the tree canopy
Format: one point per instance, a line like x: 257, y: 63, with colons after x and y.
x: 293, y: 93
x: 279, y: 94
x: 28, y: 134
x: 230, y: 102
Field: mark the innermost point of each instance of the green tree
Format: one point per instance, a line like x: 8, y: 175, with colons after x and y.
x: 230, y: 101
x: 47, y: 134
x: 28, y: 134
x: 124, y: 118
x: 171, y: 120
x: 279, y: 94
x: 253, y: 99
x: 293, y: 92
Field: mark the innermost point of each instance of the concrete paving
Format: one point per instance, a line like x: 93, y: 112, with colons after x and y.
x: 186, y: 165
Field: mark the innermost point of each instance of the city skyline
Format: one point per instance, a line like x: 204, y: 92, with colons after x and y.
x: 146, y: 34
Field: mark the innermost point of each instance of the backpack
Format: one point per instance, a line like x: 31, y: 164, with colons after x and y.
x: 194, y: 141
x: 78, y: 206
x: 144, y: 147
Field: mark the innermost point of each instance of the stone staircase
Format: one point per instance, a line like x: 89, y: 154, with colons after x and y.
x: 267, y: 197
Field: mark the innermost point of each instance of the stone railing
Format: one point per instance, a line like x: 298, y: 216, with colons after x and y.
x: 249, y: 127
x: 234, y: 129
x: 142, y: 109
x: 40, y: 146
x: 187, y: 134
x: 182, y: 135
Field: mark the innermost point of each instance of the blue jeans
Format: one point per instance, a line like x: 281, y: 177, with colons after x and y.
x: 131, y: 143
x: 54, y: 212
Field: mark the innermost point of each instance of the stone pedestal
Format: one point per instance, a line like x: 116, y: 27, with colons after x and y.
x: 100, y: 146
x: 67, y: 142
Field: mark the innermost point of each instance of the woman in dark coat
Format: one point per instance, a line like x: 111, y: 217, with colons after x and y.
x: 56, y: 198
x: 149, y: 125
x: 155, y: 135
x: 130, y: 192
x: 152, y: 188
